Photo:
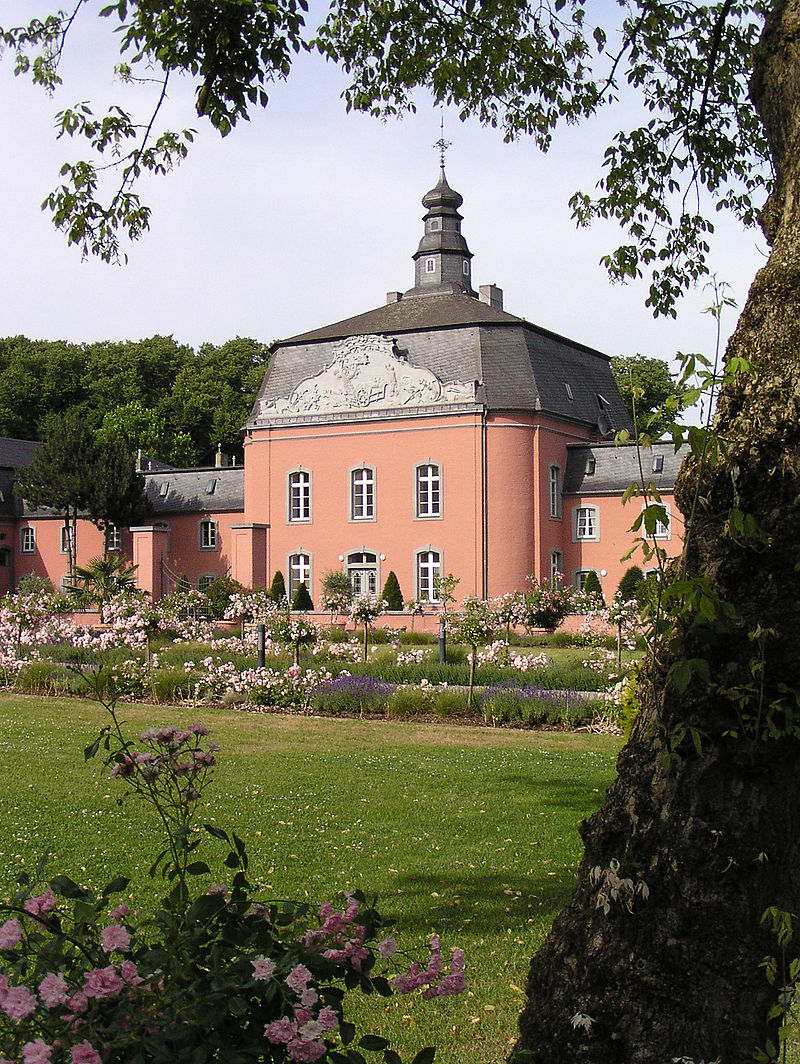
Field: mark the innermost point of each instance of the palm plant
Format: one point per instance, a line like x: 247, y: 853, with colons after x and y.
x: 102, y: 579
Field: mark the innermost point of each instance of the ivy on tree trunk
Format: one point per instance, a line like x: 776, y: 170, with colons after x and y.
x: 704, y: 810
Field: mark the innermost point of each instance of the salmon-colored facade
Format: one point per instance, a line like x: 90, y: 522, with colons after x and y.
x: 437, y: 434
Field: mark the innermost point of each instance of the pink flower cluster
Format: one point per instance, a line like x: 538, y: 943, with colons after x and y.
x: 452, y: 983
x: 344, y: 936
x: 302, y: 1034
x: 174, y: 750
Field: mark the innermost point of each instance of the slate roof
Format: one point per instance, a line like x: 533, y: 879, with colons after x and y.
x: 615, y: 467
x: 16, y: 453
x: 458, y: 338
x: 187, y: 490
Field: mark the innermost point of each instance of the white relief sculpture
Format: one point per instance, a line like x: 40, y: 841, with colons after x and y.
x: 365, y: 373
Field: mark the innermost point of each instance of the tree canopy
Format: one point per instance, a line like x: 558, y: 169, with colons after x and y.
x: 74, y: 472
x: 174, y: 403
x: 522, y: 67
x: 652, y: 395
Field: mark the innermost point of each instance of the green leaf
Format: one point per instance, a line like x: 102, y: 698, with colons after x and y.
x: 115, y: 886
x: 425, y: 1056
x: 373, y: 1042
x: 68, y: 888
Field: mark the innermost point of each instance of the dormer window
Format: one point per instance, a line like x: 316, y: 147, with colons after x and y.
x: 430, y: 265
x: 211, y: 486
x: 568, y: 388
x: 163, y: 490
x: 658, y: 463
x: 591, y: 465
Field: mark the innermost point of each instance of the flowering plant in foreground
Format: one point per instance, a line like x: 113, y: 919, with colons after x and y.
x: 213, y: 974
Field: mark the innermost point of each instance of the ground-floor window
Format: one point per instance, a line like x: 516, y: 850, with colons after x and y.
x: 429, y: 571
x: 556, y: 568
x: 362, y: 568
x: 299, y: 572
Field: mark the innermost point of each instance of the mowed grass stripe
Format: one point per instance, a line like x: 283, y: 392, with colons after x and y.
x: 468, y: 832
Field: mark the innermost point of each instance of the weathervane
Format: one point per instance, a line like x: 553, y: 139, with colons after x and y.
x: 442, y: 145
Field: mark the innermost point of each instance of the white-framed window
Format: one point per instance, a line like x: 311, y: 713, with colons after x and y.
x: 554, y: 490
x: 205, y: 580
x: 658, y: 463
x: 662, y: 528
x: 591, y: 466
x: 579, y: 578
x: 27, y: 540
x: 299, y: 570
x: 66, y: 535
x: 430, y: 265
x: 434, y: 225
x: 362, y: 494
x: 362, y: 568
x: 585, y: 523
x: 465, y: 267
x: 428, y: 572
x: 299, y: 500
x: 428, y: 489
x: 113, y: 537
x: 556, y: 568
x: 208, y: 539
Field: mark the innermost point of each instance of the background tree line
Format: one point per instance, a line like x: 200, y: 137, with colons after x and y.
x: 174, y: 402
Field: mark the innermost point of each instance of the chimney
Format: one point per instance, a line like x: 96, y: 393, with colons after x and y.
x: 491, y: 294
x: 139, y: 460
x: 221, y: 460
x: 393, y: 297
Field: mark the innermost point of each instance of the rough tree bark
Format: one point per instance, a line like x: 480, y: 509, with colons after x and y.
x: 715, y: 837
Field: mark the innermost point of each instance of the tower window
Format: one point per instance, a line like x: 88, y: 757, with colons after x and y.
x: 465, y: 267
x: 554, y: 487
x: 430, y: 265
x: 434, y: 224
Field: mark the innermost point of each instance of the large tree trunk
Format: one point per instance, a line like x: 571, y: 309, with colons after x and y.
x: 715, y: 836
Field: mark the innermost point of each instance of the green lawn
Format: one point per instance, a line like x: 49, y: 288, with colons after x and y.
x: 468, y: 832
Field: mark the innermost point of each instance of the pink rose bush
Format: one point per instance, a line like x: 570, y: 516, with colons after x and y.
x: 215, y: 970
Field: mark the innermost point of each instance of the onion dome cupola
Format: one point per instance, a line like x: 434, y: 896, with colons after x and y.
x: 442, y: 262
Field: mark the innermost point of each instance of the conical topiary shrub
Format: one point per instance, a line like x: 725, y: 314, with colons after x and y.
x: 392, y: 595
x: 593, y: 588
x: 302, y: 600
x: 630, y: 583
x: 277, y: 589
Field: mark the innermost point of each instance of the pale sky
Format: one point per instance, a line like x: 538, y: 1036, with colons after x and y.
x: 308, y: 215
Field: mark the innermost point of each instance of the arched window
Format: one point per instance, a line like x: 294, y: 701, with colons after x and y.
x: 299, y: 572
x: 299, y: 496
x: 362, y: 494
x: 362, y: 568
x: 554, y: 486
x: 556, y: 568
x: 428, y: 490
x: 208, y: 534
x: 585, y: 523
x: 429, y: 571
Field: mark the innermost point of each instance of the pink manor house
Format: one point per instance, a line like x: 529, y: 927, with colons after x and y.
x: 436, y: 434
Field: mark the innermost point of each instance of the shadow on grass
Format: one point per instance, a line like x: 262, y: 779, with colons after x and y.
x: 488, y: 901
